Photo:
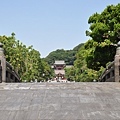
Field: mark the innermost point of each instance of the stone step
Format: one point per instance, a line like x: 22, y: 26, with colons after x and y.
x: 56, y: 101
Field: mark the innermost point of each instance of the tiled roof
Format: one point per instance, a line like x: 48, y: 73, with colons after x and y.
x: 69, y: 66
x: 59, y: 72
x: 59, y: 62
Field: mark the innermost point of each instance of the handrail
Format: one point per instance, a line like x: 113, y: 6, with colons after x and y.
x: 10, y: 69
x: 108, y: 69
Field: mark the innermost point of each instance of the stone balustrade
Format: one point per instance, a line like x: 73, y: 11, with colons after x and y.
x: 7, y: 73
x: 112, y: 71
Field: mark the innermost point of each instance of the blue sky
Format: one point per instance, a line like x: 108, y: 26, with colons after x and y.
x: 49, y: 24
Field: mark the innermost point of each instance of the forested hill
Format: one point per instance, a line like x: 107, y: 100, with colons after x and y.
x: 68, y: 56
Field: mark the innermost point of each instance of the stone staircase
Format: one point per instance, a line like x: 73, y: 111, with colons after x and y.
x: 60, y: 101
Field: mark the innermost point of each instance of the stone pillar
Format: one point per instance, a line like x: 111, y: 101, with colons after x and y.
x: 9, y: 77
x: 111, y: 74
x: 117, y: 63
x: 3, y: 63
x: 13, y: 78
x: 0, y: 72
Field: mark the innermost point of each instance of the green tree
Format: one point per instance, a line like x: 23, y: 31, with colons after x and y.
x: 82, y: 72
x: 25, y: 60
x: 104, y: 31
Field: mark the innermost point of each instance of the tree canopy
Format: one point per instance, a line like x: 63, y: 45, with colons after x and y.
x: 89, y: 59
x: 93, y: 56
x: 25, y: 60
x: 105, y: 32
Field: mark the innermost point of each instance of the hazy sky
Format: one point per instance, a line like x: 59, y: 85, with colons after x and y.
x: 49, y: 24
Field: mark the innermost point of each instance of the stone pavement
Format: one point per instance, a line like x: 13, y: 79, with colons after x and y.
x: 60, y: 101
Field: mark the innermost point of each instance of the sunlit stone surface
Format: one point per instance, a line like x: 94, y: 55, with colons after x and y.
x: 55, y: 101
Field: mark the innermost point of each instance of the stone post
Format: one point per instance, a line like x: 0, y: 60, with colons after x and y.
x: 3, y: 63
x: 117, y: 63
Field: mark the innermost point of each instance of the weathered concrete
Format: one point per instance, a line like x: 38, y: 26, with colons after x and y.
x: 3, y: 63
x: 117, y: 63
x: 59, y: 101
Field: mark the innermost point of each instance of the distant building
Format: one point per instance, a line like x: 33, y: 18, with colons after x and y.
x: 69, y: 66
x: 59, y: 71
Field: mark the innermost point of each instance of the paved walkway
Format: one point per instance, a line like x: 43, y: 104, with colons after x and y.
x: 60, y: 101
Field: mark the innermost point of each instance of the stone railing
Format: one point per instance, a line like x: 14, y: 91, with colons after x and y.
x: 7, y: 73
x: 112, y: 72
x: 11, y: 75
x: 0, y: 73
x: 108, y: 75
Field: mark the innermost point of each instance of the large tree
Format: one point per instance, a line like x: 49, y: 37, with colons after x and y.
x: 25, y: 60
x: 82, y: 72
x: 105, y: 32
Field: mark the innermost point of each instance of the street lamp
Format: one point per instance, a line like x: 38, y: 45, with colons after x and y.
x: 94, y: 80
x: 43, y: 76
